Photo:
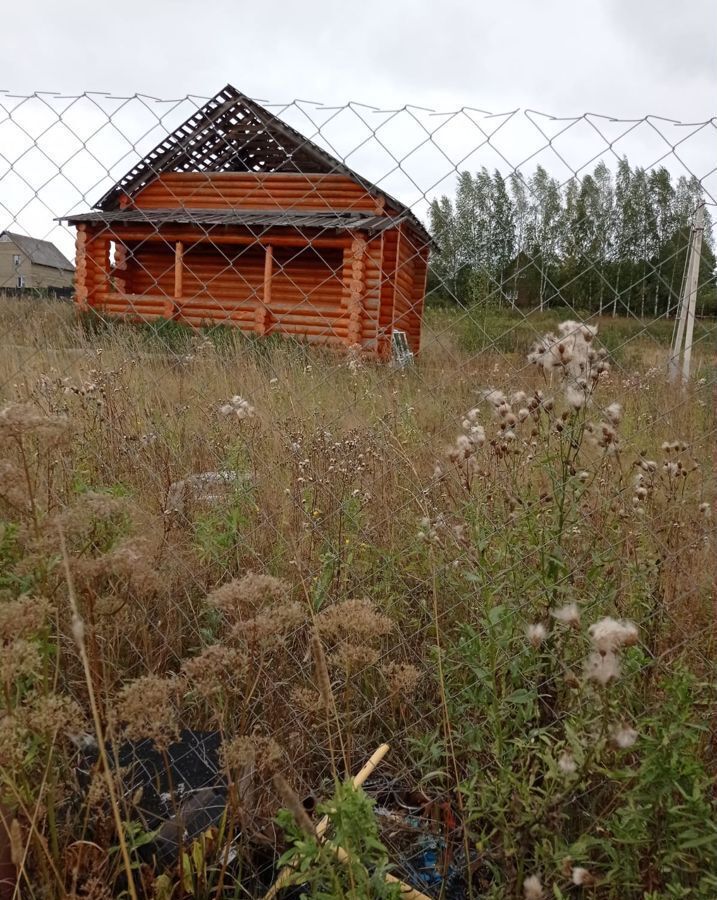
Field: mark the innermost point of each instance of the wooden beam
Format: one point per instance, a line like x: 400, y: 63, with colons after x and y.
x: 263, y: 306
x: 178, y: 270
x: 187, y: 236
x: 357, y: 288
x: 81, y: 267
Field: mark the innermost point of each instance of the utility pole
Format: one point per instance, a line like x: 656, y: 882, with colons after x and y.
x: 688, y: 301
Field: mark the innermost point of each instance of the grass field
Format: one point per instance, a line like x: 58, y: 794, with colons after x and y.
x: 515, y: 595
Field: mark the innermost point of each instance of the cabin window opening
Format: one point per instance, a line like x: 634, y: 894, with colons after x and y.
x: 21, y: 281
x: 16, y: 258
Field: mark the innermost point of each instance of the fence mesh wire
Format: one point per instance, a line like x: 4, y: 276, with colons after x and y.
x: 253, y: 556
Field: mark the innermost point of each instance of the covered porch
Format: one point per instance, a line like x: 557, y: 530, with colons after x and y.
x: 316, y: 275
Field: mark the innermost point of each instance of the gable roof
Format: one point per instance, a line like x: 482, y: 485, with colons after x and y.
x: 232, y: 133
x: 41, y: 253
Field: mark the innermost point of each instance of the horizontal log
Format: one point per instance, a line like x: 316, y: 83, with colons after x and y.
x: 289, y: 328
x: 318, y: 309
x: 202, y: 266
x: 335, y: 322
x: 293, y: 293
x: 191, y: 186
x: 273, y: 203
x: 243, y: 279
x: 237, y: 276
x: 215, y: 287
x: 236, y: 312
x: 167, y: 237
x: 250, y: 192
x: 129, y: 311
x: 301, y: 304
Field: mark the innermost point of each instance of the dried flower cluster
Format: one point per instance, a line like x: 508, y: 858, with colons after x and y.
x: 237, y: 408
x: 255, y: 753
x: 468, y: 443
x: 402, y: 679
x: 241, y: 598
x: 352, y: 630
x: 571, y: 357
x: 216, y: 669
x: 147, y: 708
x: 354, y: 620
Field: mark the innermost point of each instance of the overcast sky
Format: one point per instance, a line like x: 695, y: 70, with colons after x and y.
x: 625, y: 58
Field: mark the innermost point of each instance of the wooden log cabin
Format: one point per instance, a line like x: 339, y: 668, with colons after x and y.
x: 236, y: 218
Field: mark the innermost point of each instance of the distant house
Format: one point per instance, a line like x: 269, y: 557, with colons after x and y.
x: 29, y: 263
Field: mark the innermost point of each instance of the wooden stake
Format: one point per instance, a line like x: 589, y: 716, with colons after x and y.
x: 697, y: 233
x: 688, y: 299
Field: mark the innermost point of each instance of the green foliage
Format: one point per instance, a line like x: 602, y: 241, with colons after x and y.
x: 11, y: 554
x: 353, y: 828
x: 482, y: 328
x: 597, y: 243
x: 219, y: 534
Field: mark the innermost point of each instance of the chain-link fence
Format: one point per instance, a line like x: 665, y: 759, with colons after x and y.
x: 330, y: 428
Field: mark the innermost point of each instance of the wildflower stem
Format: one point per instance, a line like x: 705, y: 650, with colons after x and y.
x: 78, y: 630
x: 30, y: 489
x: 446, y: 713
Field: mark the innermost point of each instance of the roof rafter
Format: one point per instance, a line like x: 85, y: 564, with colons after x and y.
x: 232, y: 133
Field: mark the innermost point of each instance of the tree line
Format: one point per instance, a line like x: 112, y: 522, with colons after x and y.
x: 608, y: 243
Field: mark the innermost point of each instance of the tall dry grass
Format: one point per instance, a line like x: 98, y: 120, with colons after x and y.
x: 451, y: 593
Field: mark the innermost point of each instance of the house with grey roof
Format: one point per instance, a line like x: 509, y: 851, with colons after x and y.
x: 32, y: 264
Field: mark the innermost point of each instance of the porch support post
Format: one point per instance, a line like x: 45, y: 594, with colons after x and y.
x: 261, y: 316
x: 171, y: 305
x: 81, y: 267
x: 356, y: 289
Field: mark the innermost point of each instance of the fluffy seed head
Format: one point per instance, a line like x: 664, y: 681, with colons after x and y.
x: 568, y: 615
x: 608, y: 635
x: 581, y: 877
x: 614, y: 413
x: 536, y: 634
x: 567, y: 764
x: 237, y: 407
x: 623, y: 736
x: 602, y: 667
x: 532, y: 888
x: 575, y: 397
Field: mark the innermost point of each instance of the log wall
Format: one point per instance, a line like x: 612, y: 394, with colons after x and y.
x: 226, y: 285
x: 275, y: 191
x: 338, y: 288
